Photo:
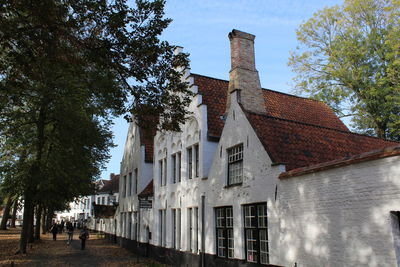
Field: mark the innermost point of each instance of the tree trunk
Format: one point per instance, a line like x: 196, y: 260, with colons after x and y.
x: 6, y: 214
x: 44, y: 211
x: 31, y: 238
x: 14, y: 214
x: 28, y: 210
x: 49, y: 218
x: 38, y: 217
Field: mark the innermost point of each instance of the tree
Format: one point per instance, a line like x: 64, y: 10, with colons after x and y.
x: 66, y: 68
x: 349, y: 57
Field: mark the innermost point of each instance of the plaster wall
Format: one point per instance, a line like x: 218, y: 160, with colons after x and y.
x: 184, y: 194
x: 134, y: 155
x: 341, y: 216
x: 259, y: 183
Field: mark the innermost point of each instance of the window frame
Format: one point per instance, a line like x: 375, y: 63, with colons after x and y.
x: 225, y: 229
x: 179, y: 168
x: 196, y: 151
x: 174, y: 169
x: 230, y: 163
x: 257, y: 230
x: 189, y: 152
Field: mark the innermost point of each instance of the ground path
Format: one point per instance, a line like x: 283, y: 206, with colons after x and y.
x: 98, y: 252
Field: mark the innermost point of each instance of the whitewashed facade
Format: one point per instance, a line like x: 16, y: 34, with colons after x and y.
x: 229, y: 200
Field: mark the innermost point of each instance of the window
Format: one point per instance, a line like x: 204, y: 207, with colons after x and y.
x: 235, y: 164
x: 128, y: 225
x: 174, y: 230
x: 256, y: 233
x: 165, y: 171
x: 135, y: 226
x: 190, y: 222
x: 103, y: 200
x: 178, y: 226
x: 224, y: 224
x: 162, y: 227
x: 196, y: 229
x: 179, y: 164
x: 196, y: 160
x: 130, y: 184
x: 136, y: 181
x: 174, y: 168
x: 190, y: 163
x: 161, y: 170
x: 124, y: 186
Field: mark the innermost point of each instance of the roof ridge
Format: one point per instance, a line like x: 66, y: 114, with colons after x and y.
x: 319, y: 126
x: 266, y: 89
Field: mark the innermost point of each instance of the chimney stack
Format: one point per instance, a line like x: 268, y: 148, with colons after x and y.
x: 243, y: 77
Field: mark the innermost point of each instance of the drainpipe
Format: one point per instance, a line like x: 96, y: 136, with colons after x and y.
x: 203, y: 231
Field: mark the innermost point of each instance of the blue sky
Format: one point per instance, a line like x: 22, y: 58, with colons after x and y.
x: 202, y: 27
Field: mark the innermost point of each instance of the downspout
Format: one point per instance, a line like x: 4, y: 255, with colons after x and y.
x: 203, y: 231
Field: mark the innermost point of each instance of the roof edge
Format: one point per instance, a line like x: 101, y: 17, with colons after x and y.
x: 319, y: 126
x: 367, y: 156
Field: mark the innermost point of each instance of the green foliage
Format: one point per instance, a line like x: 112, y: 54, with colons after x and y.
x: 66, y: 69
x: 349, y: 57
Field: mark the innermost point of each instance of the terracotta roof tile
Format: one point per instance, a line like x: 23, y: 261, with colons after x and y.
x: 147, y: 140
x: 301, y: 109
x: 367, y: 156
x: 147, y: 191
x: 214, y: 95
x: 111, y: 185
x: 277, y: 104
x: 298, y: 144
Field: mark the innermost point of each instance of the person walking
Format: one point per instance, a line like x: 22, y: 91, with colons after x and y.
x: 70, y: 232
x: 83, y: 237
x: 54, y: 230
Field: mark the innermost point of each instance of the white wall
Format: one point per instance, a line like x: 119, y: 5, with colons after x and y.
x: 259, y: 182
x: 185, y: 194
x: 341, y: 216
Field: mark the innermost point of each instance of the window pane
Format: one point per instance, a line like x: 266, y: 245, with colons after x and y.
x: 190, y: 163
x: 262, y: 216
x: 263, y: 246
x: 251, y: 242
x: 221, y: 242
x: 230, y: 243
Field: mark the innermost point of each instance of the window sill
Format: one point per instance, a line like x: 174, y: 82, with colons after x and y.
x: 232, y: 185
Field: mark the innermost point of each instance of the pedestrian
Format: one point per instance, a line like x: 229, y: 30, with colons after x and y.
x: 62, y: 226
x: 83, y: 237
x: 54, y: 230
x: 70, y: 232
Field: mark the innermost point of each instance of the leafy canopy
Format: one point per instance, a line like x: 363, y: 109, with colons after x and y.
x: 349, y: 57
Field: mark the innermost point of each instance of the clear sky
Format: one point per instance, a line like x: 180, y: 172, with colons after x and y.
x: 201, y: 27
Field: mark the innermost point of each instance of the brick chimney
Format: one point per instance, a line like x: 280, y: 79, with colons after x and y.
x: 243, y: 77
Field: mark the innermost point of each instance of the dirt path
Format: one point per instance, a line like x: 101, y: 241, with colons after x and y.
x: 98, y: 252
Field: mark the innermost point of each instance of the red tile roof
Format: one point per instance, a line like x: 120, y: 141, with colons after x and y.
x: 214, y: 94
x: 147, y: 191
x: 372, y: 155
x: 284, y: 106
x: 147, y: 140
x: 277, y: 104
x: 298, y: 144
x: 111, y: 185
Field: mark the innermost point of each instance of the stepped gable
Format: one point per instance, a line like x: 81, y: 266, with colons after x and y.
x: 147, y: 191
x: 298, y: 144
x: 111, y: 185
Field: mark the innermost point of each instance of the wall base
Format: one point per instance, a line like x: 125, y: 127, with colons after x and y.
x: 177, y: 258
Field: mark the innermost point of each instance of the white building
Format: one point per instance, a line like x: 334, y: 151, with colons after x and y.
x: 258, y: 177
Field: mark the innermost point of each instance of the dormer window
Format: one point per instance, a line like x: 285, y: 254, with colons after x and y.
x: 235, y: 165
